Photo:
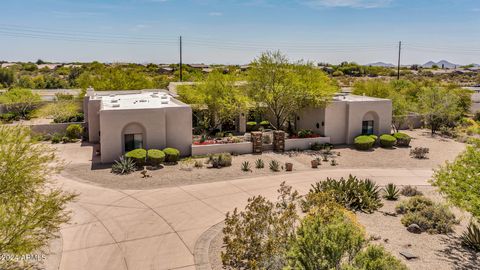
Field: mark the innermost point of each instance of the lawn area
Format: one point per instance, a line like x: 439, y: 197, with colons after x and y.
x: 79, y: 165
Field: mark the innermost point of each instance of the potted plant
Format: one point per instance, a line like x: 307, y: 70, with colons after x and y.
x: 314, y: 163
x: 288, y: 166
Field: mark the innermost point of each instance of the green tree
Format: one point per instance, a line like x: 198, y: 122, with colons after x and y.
x: 102, y: 77
x: 219, y: 94
x: 31, y: 208
x: 259, y: 237
x: 439, y: 106
x: 375, y: 257
x: 25, y: 82
x: 20, y: 101
x: 460, y: 180
x: 284, y: 88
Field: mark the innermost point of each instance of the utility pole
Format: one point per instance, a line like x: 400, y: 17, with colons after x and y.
x: 181, y: 68
x: 399, y: 53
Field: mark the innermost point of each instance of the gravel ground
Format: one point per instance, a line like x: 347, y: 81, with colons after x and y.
x: 79, y: 165
x: 439, y: 252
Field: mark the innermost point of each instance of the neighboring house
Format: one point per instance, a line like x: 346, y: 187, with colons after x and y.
x: 125, y: 120
x: 348, y: 116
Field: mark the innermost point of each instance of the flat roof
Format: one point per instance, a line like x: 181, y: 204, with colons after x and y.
x: 355, y: 98
x: 140, y: 100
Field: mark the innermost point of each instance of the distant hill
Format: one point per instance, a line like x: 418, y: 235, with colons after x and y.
x: 381, y: 64
x: 440, y: 64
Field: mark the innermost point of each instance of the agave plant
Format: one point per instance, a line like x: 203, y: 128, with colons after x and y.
x: 246, y: 166
x: 391, y: 192
x: 123, y: 166
x: 274, y: 166
x: 259, y: 164
x: 471, y: 237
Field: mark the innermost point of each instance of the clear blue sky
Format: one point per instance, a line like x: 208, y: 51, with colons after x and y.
x: 235, y: 31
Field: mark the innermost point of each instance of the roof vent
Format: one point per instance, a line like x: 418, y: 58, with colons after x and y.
x: 116, y: 105
x: 164, y: 101
x: 164, y: 97
x: 142, y: 100
x: 114, y: 101
x: 111, y: 95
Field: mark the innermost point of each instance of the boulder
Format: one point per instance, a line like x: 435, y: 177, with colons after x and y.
x: 414, y: 228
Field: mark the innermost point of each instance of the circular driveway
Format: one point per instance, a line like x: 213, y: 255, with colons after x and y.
x: 158, y: 229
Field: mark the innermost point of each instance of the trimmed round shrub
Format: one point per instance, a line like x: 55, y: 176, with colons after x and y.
x: 364, y: 142
x: 375, y: 137
x: 74, y: 131
x: 251, y: 126
x: 387, y: 141
x: 138, y: 155
x: 402, y: 139
x: 171, y: 154
x: 155, y: 157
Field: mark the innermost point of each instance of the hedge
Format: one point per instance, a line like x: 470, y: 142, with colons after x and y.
x: 364, y: 142
x: 387, y: 141
x: 171, y: 154
x: 402, y: 139
x: 138, y: 155
x: 155, y: 157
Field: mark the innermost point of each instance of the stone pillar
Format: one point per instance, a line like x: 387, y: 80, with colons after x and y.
x: 278, y: 140
x: 242, y: 123
x: 257, y: 142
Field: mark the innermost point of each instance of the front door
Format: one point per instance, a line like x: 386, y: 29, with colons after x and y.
x: 367, y: 127
x: 133, y: 141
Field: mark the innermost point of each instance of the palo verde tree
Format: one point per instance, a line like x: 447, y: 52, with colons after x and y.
x: 440, y: 106
x: 284, y: 88
x: 219, y: 95
x: 31, y: 208
x: 20, y: 101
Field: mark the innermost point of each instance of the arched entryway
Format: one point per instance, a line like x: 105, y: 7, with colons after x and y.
x: 133, y: 137
x: 370, y: 123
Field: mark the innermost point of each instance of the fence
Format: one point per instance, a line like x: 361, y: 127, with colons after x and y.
x: 52, y: 128
x: 304, y: 144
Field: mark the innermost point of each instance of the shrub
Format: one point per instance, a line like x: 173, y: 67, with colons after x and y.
x: 265, y: 124
x: 259, y: 164
x: 476, y: 117
x: 246, y: 167
x: 155, y: 157
x: 391, y: 192
x: 429, y: 216
x: 220, y: 160
x: 316, y: 146
x: 410, y: 191
x: 353, y: 193
x: 66, y: 139
x: 402, y: 139
x: 172, y: 155
x: 56, y: 138
x: 419, y: 152
x: 376, y: 257
x: 74, y: 131
x: 8, y: 117
x: 305, y: 133
x: 123, y: 166
x: 274, y: 166
x: 387, y: 141
x: 138, y: 155
x: 251, y: 126
x: 364, y: 142
x: 471, y: 237
x: 374, y: 137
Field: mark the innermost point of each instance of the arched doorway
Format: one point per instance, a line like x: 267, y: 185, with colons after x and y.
x: 133, y: 137
x: 370, y: 123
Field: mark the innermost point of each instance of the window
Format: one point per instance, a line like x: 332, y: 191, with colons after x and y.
x: 367, y: 127
x: 133, y: 141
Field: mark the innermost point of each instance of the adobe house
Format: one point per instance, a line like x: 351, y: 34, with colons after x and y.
x: 125, y: 120
x: 348, y: 116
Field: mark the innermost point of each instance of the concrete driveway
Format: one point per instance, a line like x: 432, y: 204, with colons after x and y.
x: 158, y: 229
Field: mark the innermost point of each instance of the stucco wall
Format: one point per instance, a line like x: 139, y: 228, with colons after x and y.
x: 93, y: 123
x: 164, y: 127
x: 51, y: 128
x: 336, y: 122
x: 309, y: 118
x: 358, y: 110
x: 237, y: 148
x: 304, y: 144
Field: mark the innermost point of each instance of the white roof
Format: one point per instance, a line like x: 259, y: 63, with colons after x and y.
x: 355, y: 98
x: 143, y: 100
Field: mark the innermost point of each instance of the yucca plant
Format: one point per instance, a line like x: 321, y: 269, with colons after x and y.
x: 274, y: 166
x: 471, y: 237
x: 259, y: 164
x: 123, y: 166
x: 246, y: 166
x: 391, y: 192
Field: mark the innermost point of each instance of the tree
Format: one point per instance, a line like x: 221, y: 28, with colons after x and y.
x: 20, y: 101
x: 102, y: 77
x: 284, y: 88
x: 375, y: 257
x: 31, y: 208
x: 259, y: 237
x: 460, y: 180
x: 219, y: 94
x: 439, y: 106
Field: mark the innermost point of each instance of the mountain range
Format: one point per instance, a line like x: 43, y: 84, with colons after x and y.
x: 429, y: 64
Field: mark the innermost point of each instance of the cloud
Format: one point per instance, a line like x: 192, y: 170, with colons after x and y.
x: 348, y: 3
x: 215, y: 13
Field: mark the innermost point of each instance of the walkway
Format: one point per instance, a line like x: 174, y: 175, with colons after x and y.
x: 157, y: 229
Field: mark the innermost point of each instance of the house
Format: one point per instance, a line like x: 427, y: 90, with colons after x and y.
x: 121, y: 121
x: 348, y: 116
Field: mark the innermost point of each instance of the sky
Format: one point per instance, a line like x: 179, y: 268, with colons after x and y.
x: 237, y: 31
